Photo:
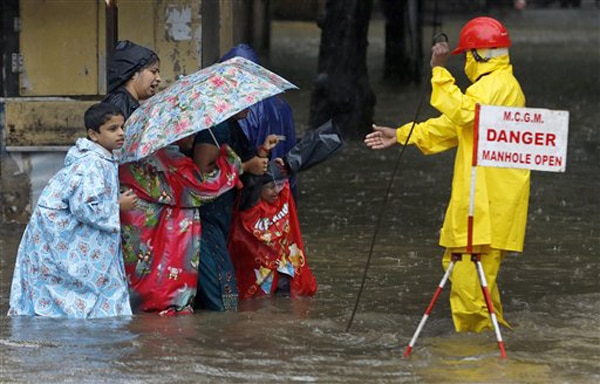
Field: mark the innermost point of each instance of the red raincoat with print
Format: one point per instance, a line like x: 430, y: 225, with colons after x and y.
x: 161, y: 236
x: 265, y: 242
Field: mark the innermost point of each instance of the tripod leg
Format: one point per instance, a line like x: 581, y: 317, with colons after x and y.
x: 488, y: 300
x: 411, y: 344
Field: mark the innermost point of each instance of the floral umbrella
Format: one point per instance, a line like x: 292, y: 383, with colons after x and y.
x: 197, y: 102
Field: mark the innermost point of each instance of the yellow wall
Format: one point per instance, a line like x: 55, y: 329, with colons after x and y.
x: 63, y: 41
x: 42, y: 122
x: 59, y: 44
x: 178, y: 38
x: 136, y: 21
x: 172, y: 28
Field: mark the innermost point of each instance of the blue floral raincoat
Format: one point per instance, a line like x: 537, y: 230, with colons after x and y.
x: 69, y: 262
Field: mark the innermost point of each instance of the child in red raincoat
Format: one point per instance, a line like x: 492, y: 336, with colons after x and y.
x: 266, y: 244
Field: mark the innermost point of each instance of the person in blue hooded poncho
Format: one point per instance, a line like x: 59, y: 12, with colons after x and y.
x: 251, y: 135
x: 269, y: 116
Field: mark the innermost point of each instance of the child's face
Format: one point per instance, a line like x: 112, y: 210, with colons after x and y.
x: 269, y: 193
x: 111, y: 135
x: 146, y: 81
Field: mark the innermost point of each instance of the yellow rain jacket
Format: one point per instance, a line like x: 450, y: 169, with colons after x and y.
x: 501, y: 194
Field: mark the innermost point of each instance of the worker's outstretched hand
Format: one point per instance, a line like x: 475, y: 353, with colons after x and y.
x: 381, y: 137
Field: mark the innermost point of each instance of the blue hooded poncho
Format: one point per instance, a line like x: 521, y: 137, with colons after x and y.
x: 269, y: 116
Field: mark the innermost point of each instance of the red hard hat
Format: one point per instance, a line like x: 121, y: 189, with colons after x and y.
x: 482, y: 32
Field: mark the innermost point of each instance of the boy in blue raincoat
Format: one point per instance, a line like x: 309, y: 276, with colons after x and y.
x: 69, y: 262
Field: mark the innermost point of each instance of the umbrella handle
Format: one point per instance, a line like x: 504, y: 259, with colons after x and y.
x: 214, y: 138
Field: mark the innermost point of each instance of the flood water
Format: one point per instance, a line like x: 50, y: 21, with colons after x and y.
x: 551, y: 292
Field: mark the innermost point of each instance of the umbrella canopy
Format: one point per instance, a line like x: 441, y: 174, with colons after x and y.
x: 196, y: 102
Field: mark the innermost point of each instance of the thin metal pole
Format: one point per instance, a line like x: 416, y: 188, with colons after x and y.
x: 437, y: 37
x: 380, y: 218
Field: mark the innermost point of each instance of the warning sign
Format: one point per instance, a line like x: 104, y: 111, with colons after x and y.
x: 528, y: 138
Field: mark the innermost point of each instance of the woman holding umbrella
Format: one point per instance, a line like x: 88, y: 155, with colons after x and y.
x: 269, y: 116
x: 217, y: 286
x: 161, y: 235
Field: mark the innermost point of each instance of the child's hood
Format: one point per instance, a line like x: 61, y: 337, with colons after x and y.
x: 83, y: 148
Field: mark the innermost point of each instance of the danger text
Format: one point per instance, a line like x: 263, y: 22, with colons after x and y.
x: 547, y: 139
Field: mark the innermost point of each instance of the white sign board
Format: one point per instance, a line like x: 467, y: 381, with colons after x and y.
x: 528, y: 138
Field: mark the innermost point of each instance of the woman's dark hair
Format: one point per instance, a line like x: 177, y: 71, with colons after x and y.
x: 98, y: 114
x: 152, y: 59
x: 127, y: 59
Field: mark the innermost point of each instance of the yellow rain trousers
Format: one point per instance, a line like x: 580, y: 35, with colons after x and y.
x: 501, y: 194
x: 469, y: 308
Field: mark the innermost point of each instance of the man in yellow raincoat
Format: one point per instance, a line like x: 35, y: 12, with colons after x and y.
x: 501, y: 194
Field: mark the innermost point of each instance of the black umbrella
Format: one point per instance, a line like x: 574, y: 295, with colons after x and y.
x: 315, y: 147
